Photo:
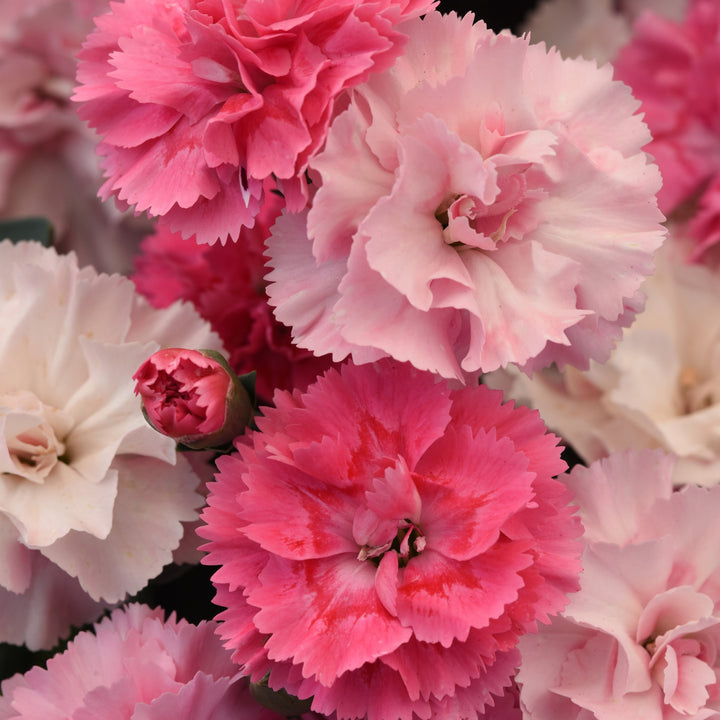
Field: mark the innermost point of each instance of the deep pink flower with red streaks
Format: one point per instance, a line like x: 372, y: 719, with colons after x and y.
x: 199, y: 102
x: 673, y: 68
x: 384, y: 541
x: 226, y: 285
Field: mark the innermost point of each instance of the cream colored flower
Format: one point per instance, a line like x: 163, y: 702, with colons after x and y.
x: 85, y: 483
x: 661, y: 386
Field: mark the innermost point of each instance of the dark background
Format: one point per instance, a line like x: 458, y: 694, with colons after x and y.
x: 498, y: 14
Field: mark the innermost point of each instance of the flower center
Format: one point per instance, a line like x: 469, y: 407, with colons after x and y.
x: 179, y: 396
x: 468, y: 222
x: 441, y: 214
x: 696, y: 394
x: 407, y: 543
x: 30, y: 436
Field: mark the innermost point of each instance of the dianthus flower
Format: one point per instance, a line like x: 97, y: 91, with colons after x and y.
x: 384, y: 541
x: 660, y: 387
x: 135, y: 666
x: 484, y: 202
x: 194, y: 397
x: 92, y: 499
x: 640, y: 639
x: 704, y: 228
x: 226, y: 285
x: 200, y: 103
x: 48, y: 165
x: 673, y: 68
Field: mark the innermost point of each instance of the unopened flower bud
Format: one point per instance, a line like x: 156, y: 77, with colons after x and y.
x: 193, y: 396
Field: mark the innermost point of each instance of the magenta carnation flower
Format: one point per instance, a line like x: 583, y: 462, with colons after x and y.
x: 704, y: 229
x: 673, y: 68
x: 200, y: 102
x: 483, y: 202
x: 135, y: 666
x: 384, y: 542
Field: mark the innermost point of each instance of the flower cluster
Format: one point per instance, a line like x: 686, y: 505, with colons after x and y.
x: 381, y: 214
x: 385, y: 541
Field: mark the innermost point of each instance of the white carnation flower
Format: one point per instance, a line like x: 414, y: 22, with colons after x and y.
x: 92, y: 500
x: 660, y: 387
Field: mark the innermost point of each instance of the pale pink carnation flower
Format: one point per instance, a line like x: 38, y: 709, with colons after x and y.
x: 226, y: 285
x: 661, y: 386
x: 200, y: 102
x: 673, y: 68
x: 48, y: 165
x: 135, y: 666
x: 384, y: 541
x: 640, y: 639
x: 484, y: 202
x: 92, y: 499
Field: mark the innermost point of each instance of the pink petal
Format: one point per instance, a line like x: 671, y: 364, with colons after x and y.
x: 470, y: 486
x: 441, y: 598
x: 616, y: 492
x: 293, y: 515
x: 686, y: 681
x: 330, y: 619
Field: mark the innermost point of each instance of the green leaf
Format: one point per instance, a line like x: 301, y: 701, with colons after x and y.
x: 29, y: 228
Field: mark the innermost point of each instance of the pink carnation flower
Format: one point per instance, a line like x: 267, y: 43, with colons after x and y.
x: 226, y: 285
x: 505, y: 212
x: 48, y: 164
x: 92, y: 499
x: 384, y: 541
x: 135, y: 666
x: 704, y: 228
x: 673, y: 68
x: 199, y: 102
x: 640, y: 639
